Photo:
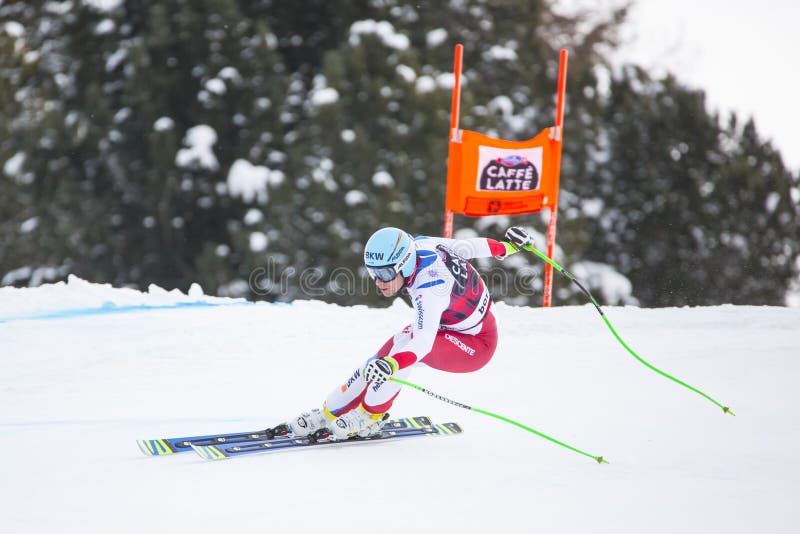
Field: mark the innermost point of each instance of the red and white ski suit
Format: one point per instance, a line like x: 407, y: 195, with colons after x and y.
x: 453, y: 328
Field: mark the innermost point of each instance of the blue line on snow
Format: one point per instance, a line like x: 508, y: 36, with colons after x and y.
x: 110, y: 308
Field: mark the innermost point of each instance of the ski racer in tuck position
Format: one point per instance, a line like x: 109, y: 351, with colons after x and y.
x: 453, y: 328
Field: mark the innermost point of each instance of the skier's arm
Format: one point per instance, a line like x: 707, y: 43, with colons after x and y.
x: 474, y: 247
x: 485, y: 247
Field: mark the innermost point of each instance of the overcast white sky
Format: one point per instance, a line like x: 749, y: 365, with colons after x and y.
x: 744, y: 54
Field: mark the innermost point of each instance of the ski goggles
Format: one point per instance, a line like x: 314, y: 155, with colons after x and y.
x: 387, y: 273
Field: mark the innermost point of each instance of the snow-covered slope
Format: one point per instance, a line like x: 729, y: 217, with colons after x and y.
x: 81, y: 381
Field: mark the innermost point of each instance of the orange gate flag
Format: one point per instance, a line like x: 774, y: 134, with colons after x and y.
x: 487, y: 176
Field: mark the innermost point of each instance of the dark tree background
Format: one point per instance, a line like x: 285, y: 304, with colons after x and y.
x: 343, y: 107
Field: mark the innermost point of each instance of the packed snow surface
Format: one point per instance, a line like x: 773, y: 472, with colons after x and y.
x: 89, y: 369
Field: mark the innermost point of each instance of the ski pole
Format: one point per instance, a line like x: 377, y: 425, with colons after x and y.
x: 598, y: 459
x: 572, y: 278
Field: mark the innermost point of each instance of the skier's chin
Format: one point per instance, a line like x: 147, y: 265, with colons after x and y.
x: 388, y: 292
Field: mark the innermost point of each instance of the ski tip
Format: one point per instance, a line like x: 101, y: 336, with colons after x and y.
x: 727, y: 410
x: 601, y: 460
x: 447, y: 428
x: 209, y: 452
x: 154, y: 447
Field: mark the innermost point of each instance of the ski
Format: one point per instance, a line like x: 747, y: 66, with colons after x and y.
x: 228, y: 450
x: 165, y: 446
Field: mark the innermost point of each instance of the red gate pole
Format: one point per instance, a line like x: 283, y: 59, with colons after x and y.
x: 559, y: 137
x: 455, y: 110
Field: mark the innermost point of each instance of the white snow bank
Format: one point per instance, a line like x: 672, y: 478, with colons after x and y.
x: 77, y: 295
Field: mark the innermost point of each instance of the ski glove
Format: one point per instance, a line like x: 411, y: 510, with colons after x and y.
x: 516, y: 238
x: 379, y: 370
x: 519, y: 237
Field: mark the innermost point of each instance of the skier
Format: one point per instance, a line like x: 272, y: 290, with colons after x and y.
x: 453, y: 327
